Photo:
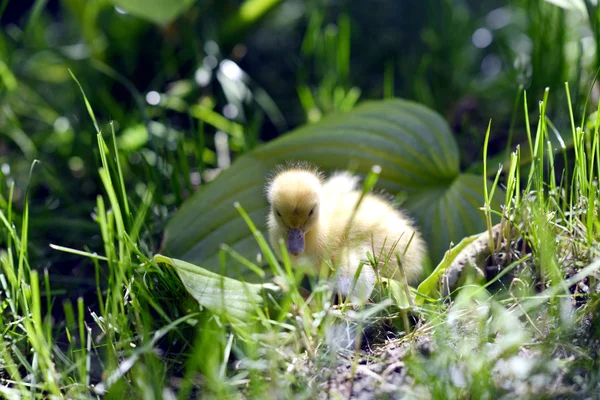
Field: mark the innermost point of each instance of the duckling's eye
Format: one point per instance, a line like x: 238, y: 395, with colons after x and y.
x: 311, y: 212
x: 278, y: 214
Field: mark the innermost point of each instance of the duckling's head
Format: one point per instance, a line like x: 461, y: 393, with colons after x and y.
x: 295, y: 196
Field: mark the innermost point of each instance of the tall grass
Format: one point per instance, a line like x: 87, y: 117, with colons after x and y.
x: 292, y: 347
x: 143, y: 336
x: 510, y: 341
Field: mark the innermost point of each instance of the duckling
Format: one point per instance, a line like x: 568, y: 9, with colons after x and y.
x: 316, y: 218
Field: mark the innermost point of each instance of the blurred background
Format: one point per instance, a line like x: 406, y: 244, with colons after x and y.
x: 188, y: 86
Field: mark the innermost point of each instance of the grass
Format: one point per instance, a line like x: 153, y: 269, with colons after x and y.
x: 528, y: 332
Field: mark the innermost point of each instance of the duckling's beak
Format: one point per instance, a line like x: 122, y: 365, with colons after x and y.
x: 295, y: 241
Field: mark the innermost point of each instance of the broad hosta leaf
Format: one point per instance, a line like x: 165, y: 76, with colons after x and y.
x: 449, y: 213
x: 219, y: 294
x: 158, y: 11
x: 412, y: 144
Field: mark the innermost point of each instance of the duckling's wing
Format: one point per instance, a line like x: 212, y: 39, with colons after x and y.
x: 341, y: 182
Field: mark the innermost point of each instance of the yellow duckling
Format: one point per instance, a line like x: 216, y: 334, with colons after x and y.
x: 315, y: 219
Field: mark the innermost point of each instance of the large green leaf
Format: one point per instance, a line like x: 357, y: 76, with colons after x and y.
x: 412, y: 144
x: 219, y: 294
x: 158, y: 11
x: 164, y: 11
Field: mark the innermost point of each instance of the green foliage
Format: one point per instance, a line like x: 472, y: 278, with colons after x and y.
x: 221, y: 295
x: 328, y: 49
x: 157, y: 11
x: 96, y: 316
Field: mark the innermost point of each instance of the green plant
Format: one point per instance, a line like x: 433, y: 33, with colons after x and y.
x: 95, y: 314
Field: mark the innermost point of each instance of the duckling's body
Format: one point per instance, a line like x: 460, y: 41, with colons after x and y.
x: 313, y: 217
